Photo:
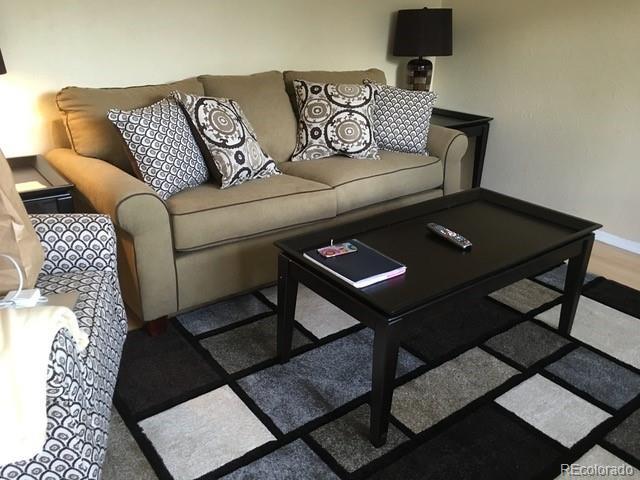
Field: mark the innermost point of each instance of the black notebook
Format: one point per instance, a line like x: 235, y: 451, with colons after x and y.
x: 361, y: 268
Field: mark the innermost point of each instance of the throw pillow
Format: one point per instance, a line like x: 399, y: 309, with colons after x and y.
x: 232, y: 148
x: 401, y: 119
x: 164, y: 153
x: 334, y: 119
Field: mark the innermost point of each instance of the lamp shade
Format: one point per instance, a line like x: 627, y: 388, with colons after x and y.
x: 3, y: 69
x: 426, y: 32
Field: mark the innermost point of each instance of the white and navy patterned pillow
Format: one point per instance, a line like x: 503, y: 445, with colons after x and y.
x: 165, y: 155
x: 401, y: 119
x: 334, y: 119
x: 232, y: 149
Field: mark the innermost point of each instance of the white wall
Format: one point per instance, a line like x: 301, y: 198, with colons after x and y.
x: 562, y: 79
x: 51, y: 44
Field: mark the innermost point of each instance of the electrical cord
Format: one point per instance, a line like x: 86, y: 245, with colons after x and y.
x: 11, y: 302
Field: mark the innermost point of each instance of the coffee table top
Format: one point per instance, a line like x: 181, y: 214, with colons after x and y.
x: 504, y: 231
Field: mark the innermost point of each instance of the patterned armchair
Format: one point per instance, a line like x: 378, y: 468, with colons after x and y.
x: 80, y: 255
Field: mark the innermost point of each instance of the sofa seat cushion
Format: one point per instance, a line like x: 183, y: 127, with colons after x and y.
x: 359, y: 183
x: 206, y: 215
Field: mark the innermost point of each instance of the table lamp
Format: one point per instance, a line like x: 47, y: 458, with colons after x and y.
x: 426, y: 32
x: 3, y: 69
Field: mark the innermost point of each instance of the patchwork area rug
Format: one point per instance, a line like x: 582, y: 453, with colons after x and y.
x: 485, y: 390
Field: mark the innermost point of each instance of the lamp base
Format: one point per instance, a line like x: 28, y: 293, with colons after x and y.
x: 419, y: 70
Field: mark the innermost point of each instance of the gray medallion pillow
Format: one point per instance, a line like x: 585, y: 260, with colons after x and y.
x: 401, y: 119
x: 334, y: 119
x: 164, y: 153
x: 230, y: 144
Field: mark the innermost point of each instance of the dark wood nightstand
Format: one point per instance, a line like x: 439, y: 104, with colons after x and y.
x: 42, y: 189
x: 473, y: 126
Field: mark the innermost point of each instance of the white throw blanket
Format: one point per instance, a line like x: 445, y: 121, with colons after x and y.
x: 26, y: 336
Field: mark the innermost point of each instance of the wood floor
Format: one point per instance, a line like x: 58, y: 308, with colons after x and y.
x: 615, y: 264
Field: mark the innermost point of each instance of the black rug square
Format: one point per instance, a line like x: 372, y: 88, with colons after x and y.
x: 626, y: 436
x: 617, y: 296
x: 156, y: 370
x: 487, y: 444
x: 456, y: 326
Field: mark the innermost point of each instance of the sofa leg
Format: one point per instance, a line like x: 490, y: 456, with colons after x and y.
x: 157, y: 327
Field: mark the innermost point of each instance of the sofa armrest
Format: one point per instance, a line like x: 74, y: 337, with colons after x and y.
x: 76, y: 243
x: 450, y: 146
x: 147, y: 264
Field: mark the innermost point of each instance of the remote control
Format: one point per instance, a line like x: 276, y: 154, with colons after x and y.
x: 455, y: 238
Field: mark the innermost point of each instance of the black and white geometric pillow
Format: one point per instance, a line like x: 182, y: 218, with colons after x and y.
x: 165, y: 155
x: 232, y: 149
x: 334, y: 119
x: 401, y: 119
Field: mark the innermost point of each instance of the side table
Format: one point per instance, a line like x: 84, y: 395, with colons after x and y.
x: 473, y: 126
x: 42, y: 189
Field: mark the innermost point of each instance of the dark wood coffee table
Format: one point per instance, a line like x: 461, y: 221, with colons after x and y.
x: 512, y: 240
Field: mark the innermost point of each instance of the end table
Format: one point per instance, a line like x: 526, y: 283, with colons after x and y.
x: 473, y: 126
x: 42, y: 189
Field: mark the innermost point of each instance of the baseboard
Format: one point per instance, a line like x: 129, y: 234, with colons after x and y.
x: 622, y: 243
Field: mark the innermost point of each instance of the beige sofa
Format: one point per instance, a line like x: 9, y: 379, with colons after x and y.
x: 205, y: 244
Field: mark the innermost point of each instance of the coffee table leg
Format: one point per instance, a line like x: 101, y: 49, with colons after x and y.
x: 287, y: 295
x: 385, y: 359
x: 573, y: 285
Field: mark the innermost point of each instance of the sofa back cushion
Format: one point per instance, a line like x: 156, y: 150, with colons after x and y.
x: 322, y: 76
x: 264, y: 101
x: 84, y: 111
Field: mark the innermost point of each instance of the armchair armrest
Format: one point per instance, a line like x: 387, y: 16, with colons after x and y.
x: 76, y: 243
x: 146, y: 255
x: 450, y: 146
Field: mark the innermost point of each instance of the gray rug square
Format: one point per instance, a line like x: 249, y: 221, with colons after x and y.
x: 204, y: 433
x: 295, y: 460
x: 556, y: 277
x: 315, y: 382
x: 123, y: 458
x: 222, y: 314
x: 626, y: 436
x: 347, y: 439
x: 599, y: 456
x: 431, y: 397
x: 553, y: 410
x: 601, y: 378
x: 527, y: 343
x: 248, y: 345
x: 525, y: 295
x: 602, y: 327
x: 314, y: 313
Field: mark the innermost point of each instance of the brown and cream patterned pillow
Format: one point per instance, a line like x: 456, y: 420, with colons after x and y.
x: 334, y: 119
x: 231, y: 146
x: 164, y: 152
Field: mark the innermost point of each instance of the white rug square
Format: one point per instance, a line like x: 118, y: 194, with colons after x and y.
x: 553, y: 410
x: 602, y: 327
x: 314, y: 313
x: 204, y: 433
x: 599, y: 463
